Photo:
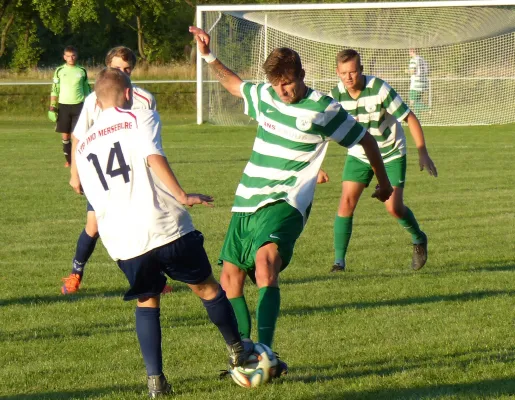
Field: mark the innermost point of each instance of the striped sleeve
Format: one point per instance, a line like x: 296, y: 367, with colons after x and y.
x: 343, y: 128
x: 393, y: 103
x: 250, y: 93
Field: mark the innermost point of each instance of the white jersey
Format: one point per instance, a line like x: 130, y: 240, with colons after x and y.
x: 135, y: 212
x: 419, y: 69
x: 142, y: 100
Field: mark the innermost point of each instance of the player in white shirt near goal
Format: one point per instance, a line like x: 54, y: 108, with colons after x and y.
x: 124, y: 59
x: 143, y: 223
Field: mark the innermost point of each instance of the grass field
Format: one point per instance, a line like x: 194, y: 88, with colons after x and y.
x: 378, y: 331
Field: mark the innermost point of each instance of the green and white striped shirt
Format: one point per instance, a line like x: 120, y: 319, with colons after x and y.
x: 380, y: 110
x: 290, y: 146
x: 419, y: 70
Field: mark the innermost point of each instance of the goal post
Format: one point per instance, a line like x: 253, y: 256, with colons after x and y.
x: 468, y: 48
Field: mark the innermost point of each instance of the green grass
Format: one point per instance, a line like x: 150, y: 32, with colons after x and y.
x: 378, y: 331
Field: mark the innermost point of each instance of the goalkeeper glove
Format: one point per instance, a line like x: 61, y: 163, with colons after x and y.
x: 52, y: 113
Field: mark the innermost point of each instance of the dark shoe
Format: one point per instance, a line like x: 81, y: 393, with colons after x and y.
x: 419, y: 255
x: 338, y: 268
x: 158, y: 386
x: 280, y: 370
x: 240, y: 352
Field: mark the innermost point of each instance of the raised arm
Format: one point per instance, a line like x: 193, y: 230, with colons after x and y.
x: 384, y: 189
x: 162, y: 169
x: 225, y: 76
x: 424, y: 160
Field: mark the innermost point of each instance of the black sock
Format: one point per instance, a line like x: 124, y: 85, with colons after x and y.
x: 222, y: 315
x: 148, y: 328
x: 67, y: 150
x: 85, y: 246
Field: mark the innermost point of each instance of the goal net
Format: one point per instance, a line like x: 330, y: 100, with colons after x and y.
x: 465, y: 49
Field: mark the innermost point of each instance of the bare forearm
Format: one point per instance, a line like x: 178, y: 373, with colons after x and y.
x: 73, y: 166
x: 226, y: 77
x: 374, y: 157
x: 416, y: 131
x: 161, y: 168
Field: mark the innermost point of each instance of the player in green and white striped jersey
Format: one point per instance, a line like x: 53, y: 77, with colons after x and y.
x: 275, y: 193
x: 419, y: 81
x: 380, y: 110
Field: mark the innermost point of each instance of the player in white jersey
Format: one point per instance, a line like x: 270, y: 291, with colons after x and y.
x: 274, y: 197
x: 124, y: 59
x: 378, y: 108
x: 143, y: 223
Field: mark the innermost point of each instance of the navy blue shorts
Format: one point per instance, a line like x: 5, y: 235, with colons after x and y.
x: 89, y: 207
x: 183, y: 260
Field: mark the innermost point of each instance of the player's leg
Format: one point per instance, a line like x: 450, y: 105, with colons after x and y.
x: 235, y: 266
x: 276, y: 228
x: 146, y: 283
x: 64, y: 127
x: 396, y: 171
x: 85, y: 247
x: 355, y: 178
x: 232, y: 279
x: 185, y: 260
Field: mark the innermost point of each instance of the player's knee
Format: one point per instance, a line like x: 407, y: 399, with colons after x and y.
x: 347, y: 206
x: 266, y: 273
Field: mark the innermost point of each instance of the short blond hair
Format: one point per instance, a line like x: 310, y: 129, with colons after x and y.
x: 111, y: 84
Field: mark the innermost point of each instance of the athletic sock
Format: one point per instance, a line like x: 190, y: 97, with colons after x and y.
x: 241, y: 310
x: 221, y: 314
x: 342, y: 235
x: 85, y: 246
x: 410, y: 224
x: 148, y: 329
x: 267, y: 313
x: 67, y: 150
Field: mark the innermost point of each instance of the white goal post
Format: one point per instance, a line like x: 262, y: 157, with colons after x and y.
x: 468, y: 48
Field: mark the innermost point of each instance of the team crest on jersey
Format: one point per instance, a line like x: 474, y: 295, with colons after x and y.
x: 303, y: 124
x: 370, y: 108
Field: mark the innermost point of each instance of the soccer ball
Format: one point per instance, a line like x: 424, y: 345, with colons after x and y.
x: 259, y: 368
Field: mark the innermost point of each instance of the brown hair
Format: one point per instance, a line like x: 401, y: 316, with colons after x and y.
x: 111, y: 83
x: 282, y: 63
x: 124, y: 53
x: 347, y: 55
x: 70, y: 49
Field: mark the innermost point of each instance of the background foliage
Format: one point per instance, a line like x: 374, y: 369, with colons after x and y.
x: 33, y: 33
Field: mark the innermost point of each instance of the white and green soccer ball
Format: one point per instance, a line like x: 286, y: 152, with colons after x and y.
x: 259, y: 368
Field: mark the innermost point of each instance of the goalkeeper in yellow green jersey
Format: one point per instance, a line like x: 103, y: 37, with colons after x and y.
x: 69, y: 89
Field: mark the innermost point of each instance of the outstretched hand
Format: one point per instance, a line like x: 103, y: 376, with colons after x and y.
x: 426, y: 163
x: 202, y: 39
x: 197, y: 198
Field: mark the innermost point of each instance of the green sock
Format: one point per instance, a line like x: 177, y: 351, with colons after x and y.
x: 410, y: 224
x: 267, y: 313
x: 241, y: 310
x: 342, y: 234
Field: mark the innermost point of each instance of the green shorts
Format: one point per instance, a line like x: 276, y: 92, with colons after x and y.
x: 278, y: 223
x: 356, y: 170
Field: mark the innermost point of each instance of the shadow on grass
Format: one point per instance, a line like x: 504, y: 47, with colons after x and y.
x: 383, y: 368
x: 487, y: 388
x: 117, y: 391
x: 71, y: 298
x: 461, y: 297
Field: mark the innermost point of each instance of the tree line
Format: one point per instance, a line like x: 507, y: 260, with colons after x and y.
x: 35, y: 32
